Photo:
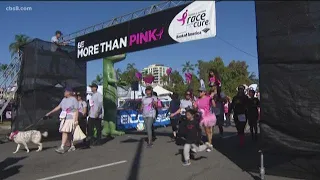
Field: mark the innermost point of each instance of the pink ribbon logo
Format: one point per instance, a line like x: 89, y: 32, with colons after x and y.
x: 183, y: 18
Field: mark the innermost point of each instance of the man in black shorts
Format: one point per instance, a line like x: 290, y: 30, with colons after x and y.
x: 239, y: 106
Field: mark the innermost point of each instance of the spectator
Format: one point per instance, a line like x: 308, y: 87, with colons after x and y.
x: 95, y: 115
x: 55, y: 39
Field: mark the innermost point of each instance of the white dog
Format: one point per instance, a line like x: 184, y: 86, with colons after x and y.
x: 24, y: 137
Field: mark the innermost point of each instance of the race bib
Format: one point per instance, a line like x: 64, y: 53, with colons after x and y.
x: 242, y: 117
x: 183, y: 111
x: 63, y: 115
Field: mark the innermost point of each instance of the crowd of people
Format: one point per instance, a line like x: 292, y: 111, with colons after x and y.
x: 192, y: 115
x: 189, y: 116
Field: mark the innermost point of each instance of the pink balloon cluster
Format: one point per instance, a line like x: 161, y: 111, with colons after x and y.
x: 188, y: 77
x: 169, y: 70
x: 148, y: 79
x: 138, y: 75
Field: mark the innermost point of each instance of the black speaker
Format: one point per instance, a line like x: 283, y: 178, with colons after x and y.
x: 45, y: 72
x: 135, y: 86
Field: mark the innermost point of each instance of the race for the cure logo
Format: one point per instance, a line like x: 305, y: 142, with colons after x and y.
x: 134, y: 39
x: 183, y: 18
x: 196, y: 21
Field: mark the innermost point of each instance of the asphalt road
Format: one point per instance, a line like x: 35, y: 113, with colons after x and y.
x: 127, y: 158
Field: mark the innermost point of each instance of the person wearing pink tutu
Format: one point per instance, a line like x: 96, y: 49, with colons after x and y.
x: 208, y: 119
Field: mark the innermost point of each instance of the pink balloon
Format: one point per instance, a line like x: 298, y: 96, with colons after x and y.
x: 138, y: 75
x: 169, y: 70
x: 148, y: 79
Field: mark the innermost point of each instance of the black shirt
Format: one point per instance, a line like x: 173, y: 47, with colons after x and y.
x: 253, y: 104
x: 174, y: 107
x: 239, y: 104
x: 191, y: 131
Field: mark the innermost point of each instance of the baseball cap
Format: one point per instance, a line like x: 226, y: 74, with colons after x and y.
x: 202, y: 89
x: 69, y: 89
x: 79, y: 94
x: 93, y: 85
x: 241, y: 87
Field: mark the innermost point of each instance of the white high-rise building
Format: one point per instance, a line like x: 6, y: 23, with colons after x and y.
x: 158, y: 71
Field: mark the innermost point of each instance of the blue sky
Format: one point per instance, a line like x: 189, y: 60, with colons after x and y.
x: 235, y: 24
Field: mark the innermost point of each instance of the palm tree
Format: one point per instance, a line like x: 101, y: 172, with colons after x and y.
x: 20, y: 40
x: 3, y: 67
x: 99, y: 80
x: 188, y: 67
x: 118, y: 73
x: 253, y: 78
x: 130, y: 66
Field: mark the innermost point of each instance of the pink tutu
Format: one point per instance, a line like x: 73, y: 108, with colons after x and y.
x: 208, y: 120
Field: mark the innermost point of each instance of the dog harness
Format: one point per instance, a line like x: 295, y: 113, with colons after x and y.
x: 13, y: 134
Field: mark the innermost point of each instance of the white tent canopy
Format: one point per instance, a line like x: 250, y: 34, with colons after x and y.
x: 161, y: 91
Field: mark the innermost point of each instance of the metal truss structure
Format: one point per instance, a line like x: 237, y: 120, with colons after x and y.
x: 70, y: 38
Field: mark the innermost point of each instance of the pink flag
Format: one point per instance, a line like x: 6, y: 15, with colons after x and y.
x: 138, y: 75
x: 169, y: 70
x: 188, y: 77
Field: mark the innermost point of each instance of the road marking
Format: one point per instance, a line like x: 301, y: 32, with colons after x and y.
x: 83, y: 170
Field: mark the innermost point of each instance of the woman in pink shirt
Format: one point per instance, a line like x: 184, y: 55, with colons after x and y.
x: 208, y: 120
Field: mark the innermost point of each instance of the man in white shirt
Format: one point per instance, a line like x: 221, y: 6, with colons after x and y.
x: 95, y: 114
x: 55, y: 41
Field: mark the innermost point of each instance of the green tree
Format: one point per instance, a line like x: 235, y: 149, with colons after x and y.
x: 98, y: 80
x: 128, y: 76
x: 19, y: 41
x: 232, y: 75
x: 188, y: 67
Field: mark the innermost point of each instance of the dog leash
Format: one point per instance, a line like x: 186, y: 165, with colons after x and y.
x: 41, y: 119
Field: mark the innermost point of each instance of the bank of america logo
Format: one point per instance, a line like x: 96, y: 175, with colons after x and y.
x: 205, y: 30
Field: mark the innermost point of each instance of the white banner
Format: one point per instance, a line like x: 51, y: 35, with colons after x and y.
x: 194, y: 22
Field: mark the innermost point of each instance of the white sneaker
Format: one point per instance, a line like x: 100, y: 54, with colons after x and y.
x: 72, y: 148
x: 209, y: 147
